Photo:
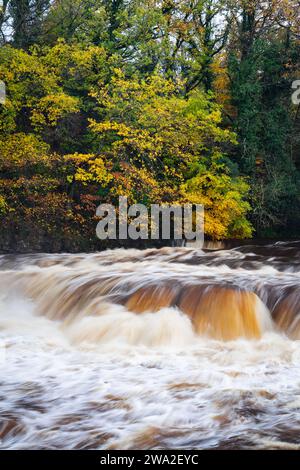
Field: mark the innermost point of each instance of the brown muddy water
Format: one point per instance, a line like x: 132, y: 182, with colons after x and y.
x: 157, y: 349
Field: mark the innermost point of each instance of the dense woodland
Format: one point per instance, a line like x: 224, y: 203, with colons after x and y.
x: 160, y: 100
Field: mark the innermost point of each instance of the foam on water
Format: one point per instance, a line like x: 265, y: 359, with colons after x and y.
x: 81, y: 370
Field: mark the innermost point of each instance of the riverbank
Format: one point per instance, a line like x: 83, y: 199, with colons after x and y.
x: 101, y: 245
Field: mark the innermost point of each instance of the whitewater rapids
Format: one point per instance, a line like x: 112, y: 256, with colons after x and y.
x: 155, y: 349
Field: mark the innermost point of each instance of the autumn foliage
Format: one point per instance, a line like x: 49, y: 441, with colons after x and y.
x: 151, y: 104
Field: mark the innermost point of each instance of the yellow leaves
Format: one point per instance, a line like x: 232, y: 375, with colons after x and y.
x: 38, y: 82
x: 139, y: 139
x: 123, y: 94
x: 148, y: 117
x: 149, y: 142
x: 89, y: 168
x: 79, y: 158
x: 79, y: 61
x: 223, y: 199
x: 20, y: 149
x: 221, y: 83
x: 24, y: 73
x: 3, y: 206
x: 53, y: 107
x: 165, y: 136
x: 119, y: 128
x: 98, y: 171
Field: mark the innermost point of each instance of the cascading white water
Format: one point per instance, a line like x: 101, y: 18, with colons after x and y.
x: 170, y: 348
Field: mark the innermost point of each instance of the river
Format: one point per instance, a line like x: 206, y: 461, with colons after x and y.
x: 175, y: 348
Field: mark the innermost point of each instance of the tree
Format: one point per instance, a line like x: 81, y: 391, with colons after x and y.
x: 176, y: 146
x: 3, y: 19
x: 27, y: 21
x: 261, y: 68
